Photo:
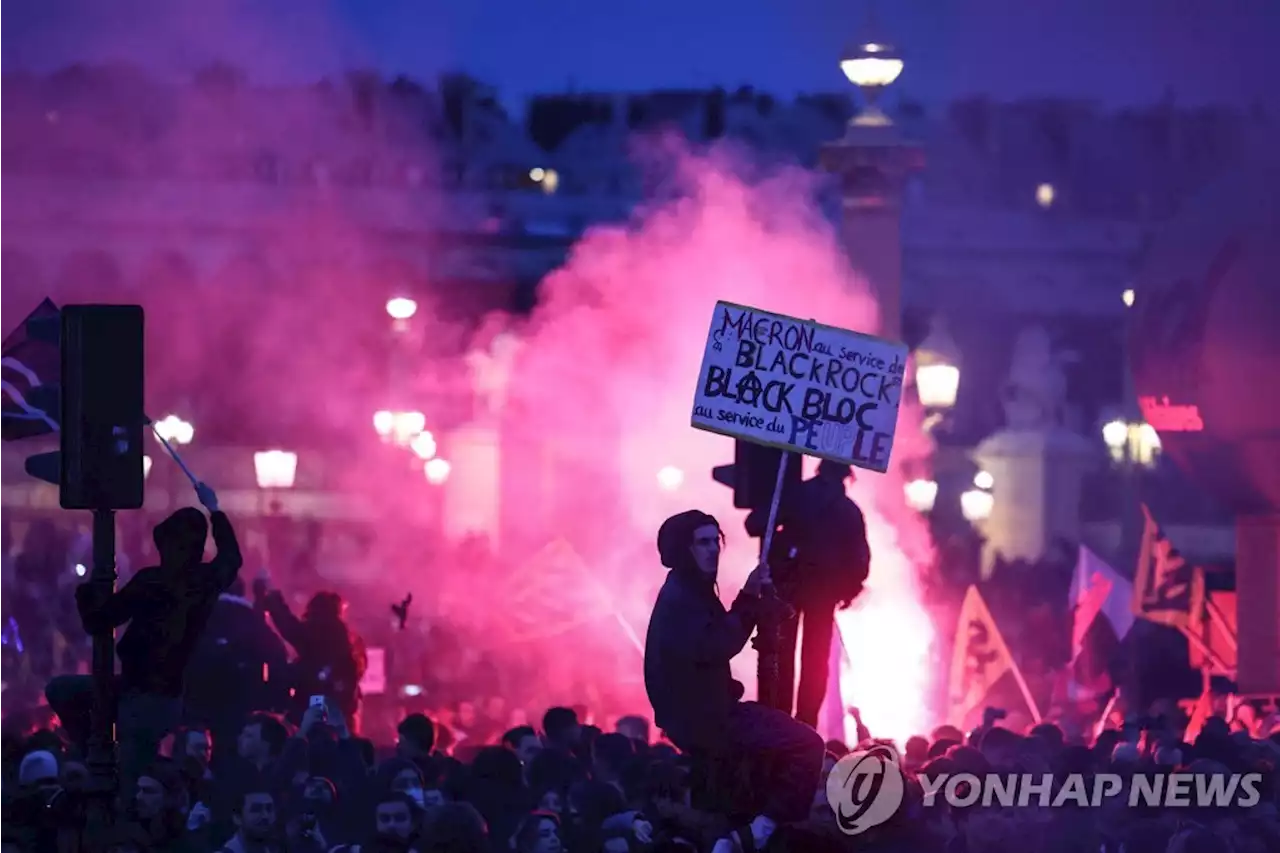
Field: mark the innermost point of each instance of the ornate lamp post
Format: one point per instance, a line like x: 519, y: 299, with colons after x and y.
x: 872, y: 162
x: 275, y: 470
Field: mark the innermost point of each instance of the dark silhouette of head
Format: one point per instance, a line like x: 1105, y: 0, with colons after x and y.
x: 325, y: 607
x: 690, y: 542
x: 835, y: 472
x: 180, y: 537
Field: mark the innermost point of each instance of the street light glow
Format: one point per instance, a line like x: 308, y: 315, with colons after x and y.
x: 424, y: 444
x: 1116, y: 434
x: 401, y: 308
x: 275, y: 469
x: 437, y: 471
x: 921, y: 494
x: 670, y: 478
x: 871, y: 66
x: 976, y: 505
x: 938, y: 384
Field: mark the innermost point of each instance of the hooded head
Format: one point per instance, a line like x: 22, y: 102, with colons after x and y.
x: 180, y: 537
x: 325, y: 607
x: 690, y: 542
x: 835, y: 472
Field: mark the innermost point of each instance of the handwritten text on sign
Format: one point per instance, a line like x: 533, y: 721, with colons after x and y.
x: 800, y: 385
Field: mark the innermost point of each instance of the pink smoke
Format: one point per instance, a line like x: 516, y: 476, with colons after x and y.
x: 616, y: 344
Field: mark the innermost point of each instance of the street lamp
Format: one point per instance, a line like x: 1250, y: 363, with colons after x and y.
x: 424, y: 444
x: 670, y: 478
x: 401, y: 308
x: 437, y: 471
x: 275, y: 469
x: 400, y: 427
x: 175, y: 430
x: 976, y: 505
x: 1131, y: 442
x: 872, y: 66
x: 921, y: 494
x: 937, y: 368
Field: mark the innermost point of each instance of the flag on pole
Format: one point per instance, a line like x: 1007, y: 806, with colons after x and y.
x: 1101, y: 617
x: 29, y: 362
x: 980, y: 660
x: 552, y: 594
x: 1166, y: 588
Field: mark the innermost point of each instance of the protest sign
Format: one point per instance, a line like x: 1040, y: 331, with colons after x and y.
x: 800, y: 386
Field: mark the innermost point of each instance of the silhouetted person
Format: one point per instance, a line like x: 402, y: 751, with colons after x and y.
x: 821, y: 560
x: 239, y: 666
x: 167, y: 607
x: 695, y: 699
x: 331, y: 659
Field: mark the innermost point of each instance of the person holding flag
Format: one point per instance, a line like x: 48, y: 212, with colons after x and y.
x: 166, y: 608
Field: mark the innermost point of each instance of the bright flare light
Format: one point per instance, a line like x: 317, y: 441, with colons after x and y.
x: 1127, y: 297
x: 437, y: 471
x: 983, y: 480
x: 401, y: 308
x: 424, y: 444
x: 888, y: 682
x: 670, y: 478
x: 175, y: 430
x: 146, y: 467
x: 81, y: 571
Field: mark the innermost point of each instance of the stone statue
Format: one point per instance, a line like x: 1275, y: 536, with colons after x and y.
x: 1035, y: 394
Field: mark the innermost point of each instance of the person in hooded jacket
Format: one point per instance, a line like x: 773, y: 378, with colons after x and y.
x: 166, y: 608
x: 695, y: 699
x: 331, y: 658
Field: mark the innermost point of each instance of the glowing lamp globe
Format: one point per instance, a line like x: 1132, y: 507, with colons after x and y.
x: 872, y: 65
x: 1204, y: 345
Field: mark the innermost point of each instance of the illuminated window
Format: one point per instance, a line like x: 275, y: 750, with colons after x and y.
x: 1045, y: 195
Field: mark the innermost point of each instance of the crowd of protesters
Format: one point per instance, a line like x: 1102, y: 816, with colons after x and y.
x: 240, y: 731
x: 569, y: 786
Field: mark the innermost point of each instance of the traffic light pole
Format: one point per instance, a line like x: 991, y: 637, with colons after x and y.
x: 102, y: 747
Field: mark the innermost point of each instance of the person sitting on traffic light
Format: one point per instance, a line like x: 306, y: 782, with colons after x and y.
x: 166, y: 608
x: 695, y: 698
x: 822, y: 560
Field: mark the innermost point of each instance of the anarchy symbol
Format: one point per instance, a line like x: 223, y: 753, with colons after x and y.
x: 749, y: 389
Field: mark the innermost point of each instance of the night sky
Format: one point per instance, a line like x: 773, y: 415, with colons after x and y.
x: 1115, y: 51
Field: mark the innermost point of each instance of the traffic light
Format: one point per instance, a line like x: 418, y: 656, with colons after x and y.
x: 754, y: 473
x: 102, y: 407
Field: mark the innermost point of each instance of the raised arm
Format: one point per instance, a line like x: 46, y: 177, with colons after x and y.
x: 226, y: 562
x: 289, y: 626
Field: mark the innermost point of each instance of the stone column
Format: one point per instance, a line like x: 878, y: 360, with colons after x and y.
x: 872, y: 162
x: 1038, y: 474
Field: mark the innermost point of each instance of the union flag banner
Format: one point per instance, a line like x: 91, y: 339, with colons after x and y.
x: 980, y: 661
x: 1167, y: 589
x: 553, y: 593
x: 29, y: 363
